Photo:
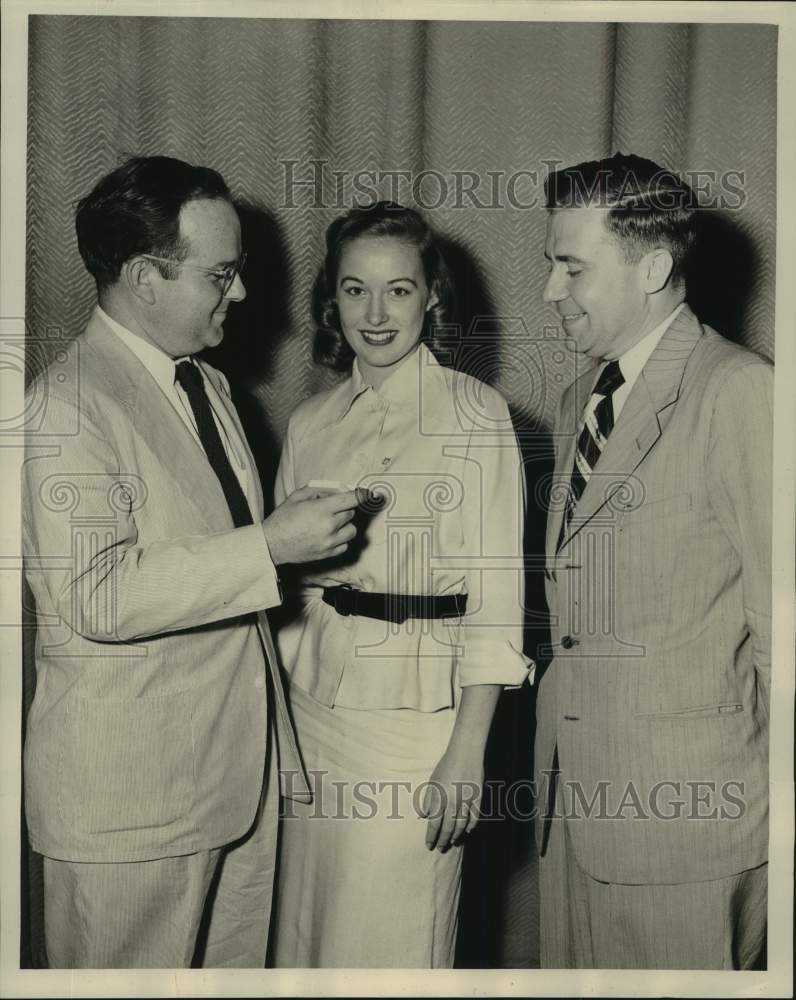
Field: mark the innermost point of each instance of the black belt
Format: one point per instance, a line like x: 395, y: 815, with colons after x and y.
x: 393, y: 607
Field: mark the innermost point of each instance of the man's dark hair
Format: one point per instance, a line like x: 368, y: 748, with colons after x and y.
x: 647, y: 206
x: 385, y: 218
x: 135, y: 209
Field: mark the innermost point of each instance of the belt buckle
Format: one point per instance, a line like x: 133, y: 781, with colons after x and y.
x: 345, y: 600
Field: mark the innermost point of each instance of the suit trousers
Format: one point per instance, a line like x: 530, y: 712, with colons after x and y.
x: 588, y: 924
x: 210, y: 909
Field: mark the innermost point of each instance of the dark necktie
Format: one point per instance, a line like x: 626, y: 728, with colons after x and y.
x: 593, y: 437
x: 190, y: 378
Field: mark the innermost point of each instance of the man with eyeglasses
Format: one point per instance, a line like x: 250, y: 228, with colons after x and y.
x: 159, y: 721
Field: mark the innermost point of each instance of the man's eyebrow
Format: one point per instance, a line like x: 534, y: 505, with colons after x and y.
x: 566, y: 258
x: 225, y: 263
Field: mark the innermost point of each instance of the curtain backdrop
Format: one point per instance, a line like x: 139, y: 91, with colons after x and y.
x: 460, y: 118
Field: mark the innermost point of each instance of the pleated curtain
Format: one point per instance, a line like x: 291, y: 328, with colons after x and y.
x: 304, y: 116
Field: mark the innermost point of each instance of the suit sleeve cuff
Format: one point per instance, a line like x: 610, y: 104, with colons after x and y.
x: 271, y: 577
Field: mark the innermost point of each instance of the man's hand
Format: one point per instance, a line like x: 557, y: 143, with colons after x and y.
x: 306, y: 527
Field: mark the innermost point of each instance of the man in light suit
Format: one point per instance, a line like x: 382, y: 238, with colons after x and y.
x: 152, y: 742
x: 652, y: 718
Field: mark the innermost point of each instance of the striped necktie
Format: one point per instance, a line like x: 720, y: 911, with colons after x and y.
x: 597, y: 426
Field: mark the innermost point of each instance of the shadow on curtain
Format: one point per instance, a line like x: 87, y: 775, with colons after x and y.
x: 303, y: 117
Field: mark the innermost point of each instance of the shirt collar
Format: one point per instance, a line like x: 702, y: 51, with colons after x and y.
x: 402, y: 386
x: 159, y: 365
x: 634, y: 359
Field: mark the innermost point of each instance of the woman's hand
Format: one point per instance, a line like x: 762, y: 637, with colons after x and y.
x: 451, y: 801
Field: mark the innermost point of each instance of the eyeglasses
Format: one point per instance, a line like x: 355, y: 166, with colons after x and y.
x: 225, y: 276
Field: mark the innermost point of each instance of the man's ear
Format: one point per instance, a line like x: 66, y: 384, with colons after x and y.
x: 656, y: 270
x: 136, y: 276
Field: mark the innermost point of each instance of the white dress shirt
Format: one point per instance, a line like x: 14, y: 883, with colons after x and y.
x: 162, y: 368
x: 633, y: 360
x: 441, y: 447
x: 630, y: 365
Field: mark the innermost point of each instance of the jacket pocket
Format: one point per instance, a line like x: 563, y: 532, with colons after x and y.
x: 698, y: 712
x: 126, y: 765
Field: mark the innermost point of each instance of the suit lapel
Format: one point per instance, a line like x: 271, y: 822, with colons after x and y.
x: 643, y: 419
x: 233, y: 417
x: 293, y: 778
x: 108, y: 360
x: 156, y: 421
x: 572, y: 406
x: 635, y: 433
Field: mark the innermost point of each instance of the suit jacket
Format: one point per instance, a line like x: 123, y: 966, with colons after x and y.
x: 148, y: 732
x: 661, y: 607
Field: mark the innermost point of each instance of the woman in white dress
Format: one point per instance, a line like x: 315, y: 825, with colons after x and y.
x: 398, y: 651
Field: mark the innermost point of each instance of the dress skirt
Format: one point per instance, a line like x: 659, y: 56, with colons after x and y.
x: 356, y: 885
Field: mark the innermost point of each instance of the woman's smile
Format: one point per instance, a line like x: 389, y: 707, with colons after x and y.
x: 378, y: 338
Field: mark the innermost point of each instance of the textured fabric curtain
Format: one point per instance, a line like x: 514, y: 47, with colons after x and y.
x: 304, y: 116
